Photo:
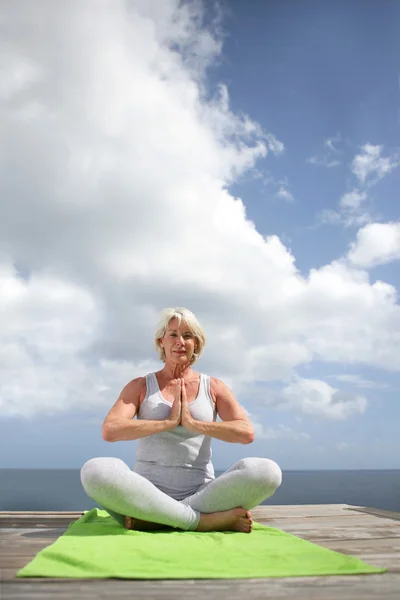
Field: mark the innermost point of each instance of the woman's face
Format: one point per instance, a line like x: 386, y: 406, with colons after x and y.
x: 178, y: 342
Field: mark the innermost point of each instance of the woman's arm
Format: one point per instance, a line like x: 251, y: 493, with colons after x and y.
x: 123, y: 430
x: 119, y: 424
x: 236, y: 427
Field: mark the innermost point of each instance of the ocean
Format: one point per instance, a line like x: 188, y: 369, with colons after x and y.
x: 61, y: 489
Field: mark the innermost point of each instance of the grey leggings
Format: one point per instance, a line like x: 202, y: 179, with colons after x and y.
x: 120, y: 491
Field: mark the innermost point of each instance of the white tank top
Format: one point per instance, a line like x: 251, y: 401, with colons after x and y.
x: 178, y: 461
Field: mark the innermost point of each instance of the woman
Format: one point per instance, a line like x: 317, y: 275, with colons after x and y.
x: 172, y: 482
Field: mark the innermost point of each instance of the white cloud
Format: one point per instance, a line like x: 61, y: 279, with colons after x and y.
x: 275, y: 145
x: 329, y: 216
x: 332, y: 143
x: 323, y: 161
x: 285, y: 194
x: 370, y: 162
x: 360, y: 382
x: 353, y: 199
x: 272, y: 433
x: 316, y: 397
x: 45, y: 324
x: 351, y: 206
x: 352, y: 320
x: 116, y: 177
x: 279, y: 187
x: 376, y: 243
x: 351, y: 210
x: 347, y: 218
x: 328, y: 159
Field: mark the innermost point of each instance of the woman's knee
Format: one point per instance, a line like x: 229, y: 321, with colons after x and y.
x: 263, y: 470
x: 96, y: 471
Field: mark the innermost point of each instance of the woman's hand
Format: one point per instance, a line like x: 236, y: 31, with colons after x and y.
x: 186, y: 418
x: 175, y: 415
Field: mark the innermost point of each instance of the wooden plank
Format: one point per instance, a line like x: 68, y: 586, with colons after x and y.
x: 61, y: 513
x: 379, y: 512
x: 302, y: 509
x: 377, y: 552
x: 369, y: 587
x: 370, y: 545
x: 319, y: 529
x: 35, y: 521
x: 357, y: 519
x: 315, y: 511
x: 318, y: 532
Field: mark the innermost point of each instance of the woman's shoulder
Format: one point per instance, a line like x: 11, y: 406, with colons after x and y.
x: 218, y: 387
x: 214, y: 386
x: 215, y: 382
x: 137, y: 386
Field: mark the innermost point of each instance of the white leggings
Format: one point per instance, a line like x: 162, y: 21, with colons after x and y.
x: 120, y: 491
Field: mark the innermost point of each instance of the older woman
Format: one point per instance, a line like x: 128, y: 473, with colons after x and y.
x: 172, y: 482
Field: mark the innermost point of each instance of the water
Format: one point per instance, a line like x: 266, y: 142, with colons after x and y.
x: 56, y: 490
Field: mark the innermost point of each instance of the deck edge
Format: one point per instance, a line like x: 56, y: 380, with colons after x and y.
x: 377, y: 512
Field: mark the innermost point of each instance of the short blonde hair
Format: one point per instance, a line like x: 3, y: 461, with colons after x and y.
x: 185, y: 315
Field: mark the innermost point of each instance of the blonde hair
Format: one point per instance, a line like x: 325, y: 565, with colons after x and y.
x: 185, y: 315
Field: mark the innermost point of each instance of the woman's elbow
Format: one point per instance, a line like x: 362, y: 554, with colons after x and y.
x: 106, y: 434
x: 249, y: 436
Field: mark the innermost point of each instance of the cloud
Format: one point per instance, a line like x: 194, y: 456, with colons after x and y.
x: 117, y: 172
x: 279, y: 187
x: 360, y: 382
x: 370, y: 162
x: 352, y: 200
x: 332, y: 142
x: 323, y: 161
x: 347, y: 218
x: 352, y: 210
x: 328, y: 159
x: 285, y: 194
x: 376, y: 244
x: 275, y: 145
x: 45, y: 324
x: 272, y: 433
x: 318, y: 398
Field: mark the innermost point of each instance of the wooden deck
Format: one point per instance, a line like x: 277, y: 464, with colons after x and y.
x: 370, y: 534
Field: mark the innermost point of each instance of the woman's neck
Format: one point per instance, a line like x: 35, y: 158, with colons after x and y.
x: 170, y: 372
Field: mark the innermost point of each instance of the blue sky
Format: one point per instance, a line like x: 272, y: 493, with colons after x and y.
x: 247, y: 169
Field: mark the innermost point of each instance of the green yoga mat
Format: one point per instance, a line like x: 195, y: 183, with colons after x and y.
x: 96, y: 546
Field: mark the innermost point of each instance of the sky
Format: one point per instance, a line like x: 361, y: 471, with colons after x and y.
x: 239, y: 159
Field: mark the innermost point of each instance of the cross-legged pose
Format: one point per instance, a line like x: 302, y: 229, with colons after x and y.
x: 172, y: 483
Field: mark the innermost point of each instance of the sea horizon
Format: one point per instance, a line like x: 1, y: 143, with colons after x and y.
x: 219, y: 470
x: 60, y: 489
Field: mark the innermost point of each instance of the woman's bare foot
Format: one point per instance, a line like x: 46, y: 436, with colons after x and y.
x: 138, y: 525
x: 236, y: 519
